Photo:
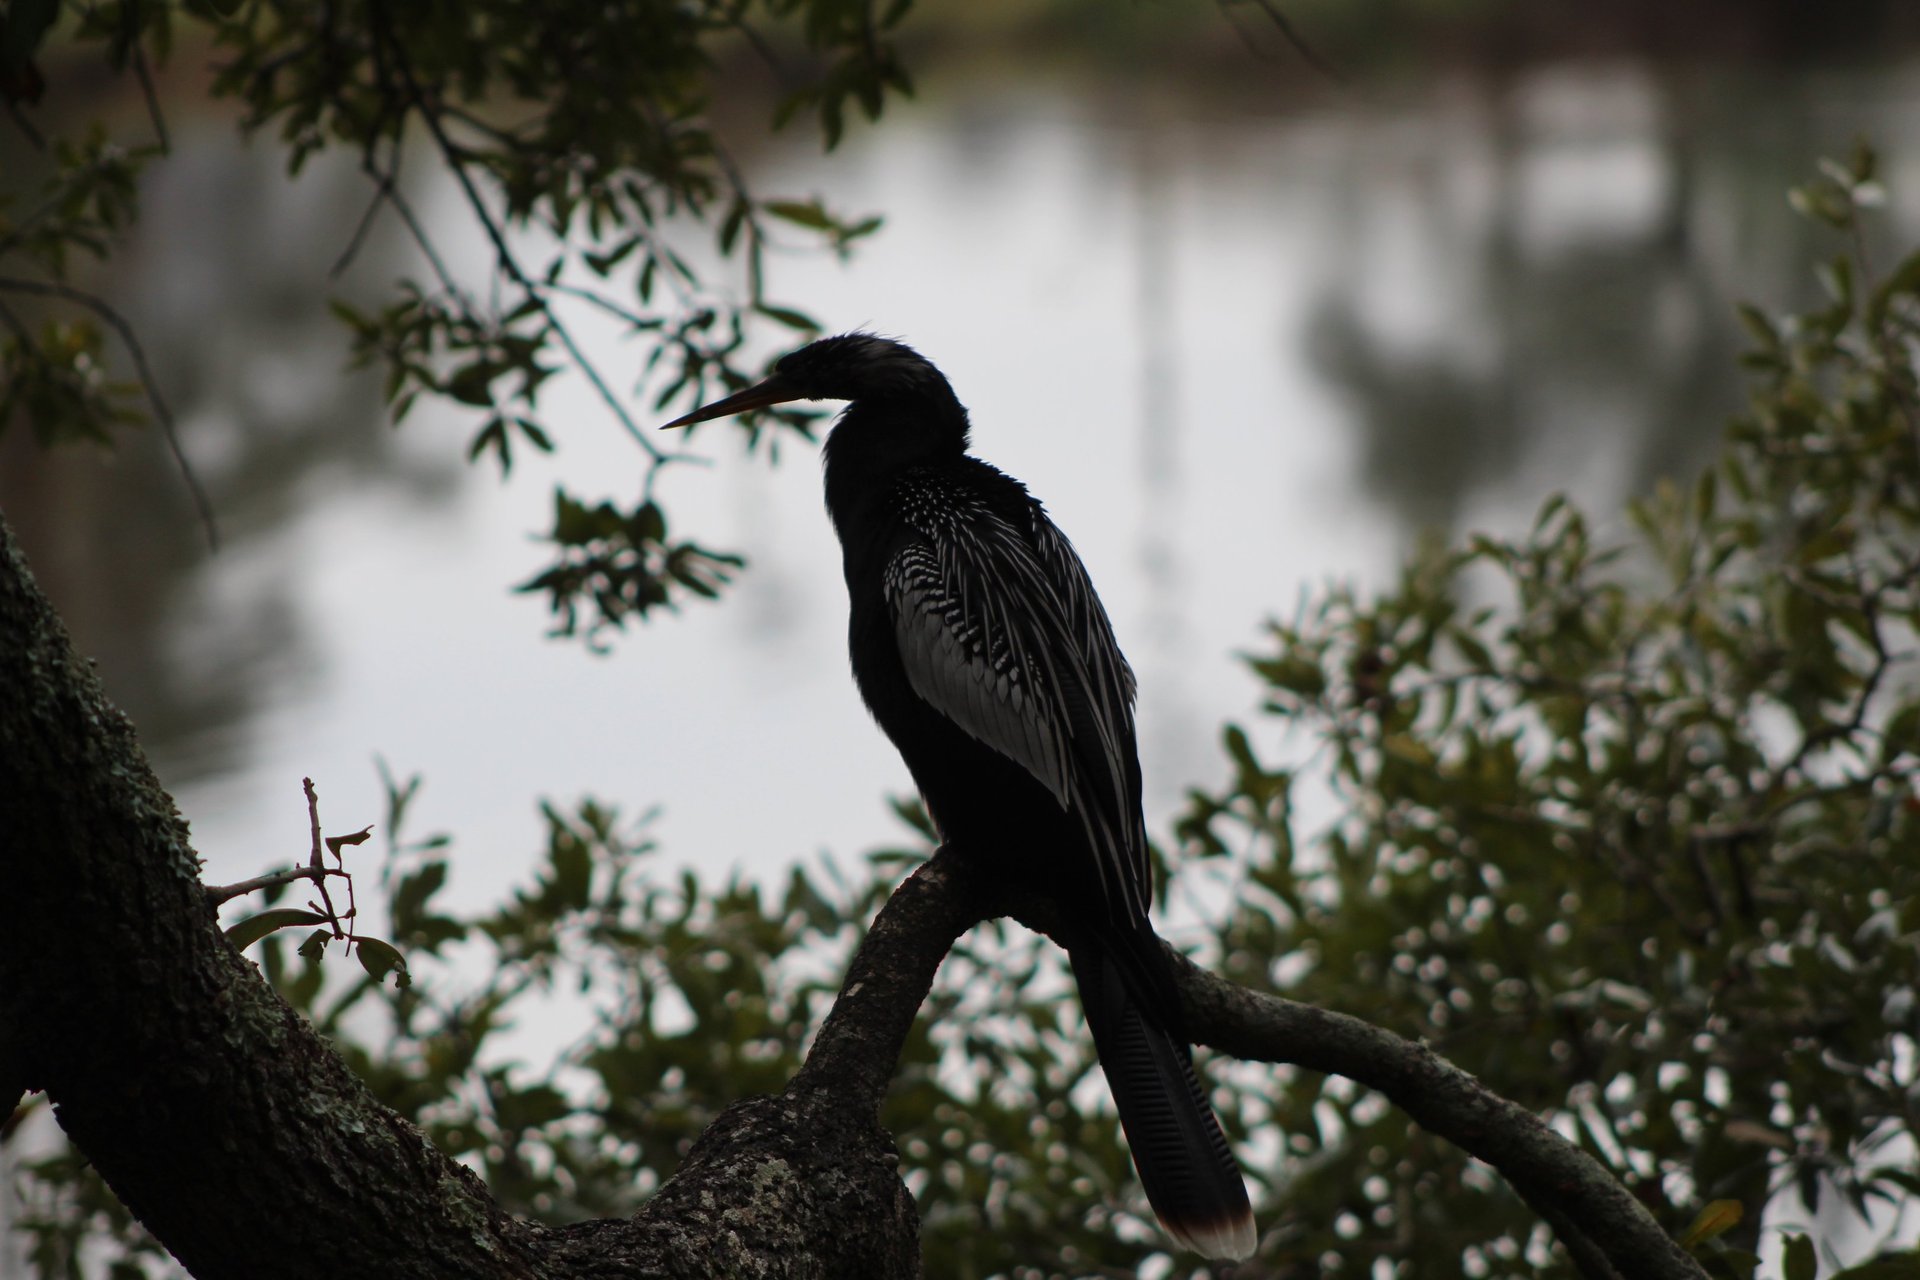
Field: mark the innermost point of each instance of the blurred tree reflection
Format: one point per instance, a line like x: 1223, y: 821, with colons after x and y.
x: 1609, y: 342
x: 255, y: 377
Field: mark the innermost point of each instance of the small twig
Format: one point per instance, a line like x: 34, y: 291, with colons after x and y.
x: 1289, y: 33
x: 382, y: 191
x: 606, y: 304
x: 756, y: 234
x: 451, y: 153
x: 14, y: 323
x: 418, y: 231
x: 506, y: 137
x: 24, y: 125
x: 317, y: 860
x: 145, y: 76
x: 148, y: 383
x: 759, y: 45
x: 223, y: 893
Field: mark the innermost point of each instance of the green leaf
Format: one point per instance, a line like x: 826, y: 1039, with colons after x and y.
x: 531, y: 1108
x: 473, y: 383
x: 1759, y: 326
x: 572, y: 872
x: 1903, y: 282
x: 411, y: 896
x: 802, y: 213
x: 1718, y: 1218
x: 534, y: 433
x: 1798, y: 1261
x: 380, y: 958
x: 337, y: 843
x: 1292, y: 673
x: 23, y: 26
x: 244, y: 933
x: 796, y: 320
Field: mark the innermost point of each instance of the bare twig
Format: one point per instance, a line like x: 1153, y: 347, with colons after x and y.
x: 1291, y: 34
x: 316, y: 861
x: 148, y: 383
x: 759, y: 45
x: 604, y: 303
x: 450, y: 152
x: 33, y: 136
x: 383, y: 184
x: 13, y: 322
x: 145, y: 76
x: 222, y: 893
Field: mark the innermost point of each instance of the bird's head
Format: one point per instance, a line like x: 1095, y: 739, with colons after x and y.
x: 849, y: 366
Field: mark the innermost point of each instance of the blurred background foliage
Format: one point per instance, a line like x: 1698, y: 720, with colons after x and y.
x: 1630, y: 829
x: 1624, y: 826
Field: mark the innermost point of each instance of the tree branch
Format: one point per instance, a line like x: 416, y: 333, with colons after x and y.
x: 1606, y: 1231
x: 1562, y: 1183
x: 496, y: 234
x: 149, y: 385
x: 221, y: 893
x: 854, y: 1055
x: 247, y: 1147
x: 238, y: 1136
x: 1559, y: 1180
x: 216, y: 1113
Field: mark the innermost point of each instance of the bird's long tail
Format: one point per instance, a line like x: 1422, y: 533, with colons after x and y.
x: 1190, y: 1175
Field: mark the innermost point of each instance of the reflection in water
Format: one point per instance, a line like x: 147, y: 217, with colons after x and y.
x: 224, y: 282
x: 1589, y: 237
x: 1165, y: 638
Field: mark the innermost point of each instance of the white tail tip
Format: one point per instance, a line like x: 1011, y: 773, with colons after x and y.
x: 1231, y: 1238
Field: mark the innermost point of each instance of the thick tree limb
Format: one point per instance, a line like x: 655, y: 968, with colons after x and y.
x: 236, y: 1134
x: 246, y: 1146
x: 854, y: 1055
x: 214, y: 1111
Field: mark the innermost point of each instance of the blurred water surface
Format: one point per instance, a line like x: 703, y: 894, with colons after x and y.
x: 1240, y: 351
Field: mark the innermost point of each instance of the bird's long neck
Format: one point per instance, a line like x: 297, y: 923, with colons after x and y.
x: 877, y: 440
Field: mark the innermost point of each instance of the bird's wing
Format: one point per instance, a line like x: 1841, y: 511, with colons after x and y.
x: 999, y: 630
x: 1110, y: 678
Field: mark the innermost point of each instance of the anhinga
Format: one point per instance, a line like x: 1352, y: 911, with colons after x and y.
x: 982, y: 650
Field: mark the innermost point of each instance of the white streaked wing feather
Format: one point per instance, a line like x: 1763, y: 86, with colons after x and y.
x: 960, y: 681
x: 982, y: 608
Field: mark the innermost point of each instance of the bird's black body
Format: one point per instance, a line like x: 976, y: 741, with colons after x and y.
x: 982, y: 650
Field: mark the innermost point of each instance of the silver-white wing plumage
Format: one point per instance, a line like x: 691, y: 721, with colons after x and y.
x: 1000, y: 631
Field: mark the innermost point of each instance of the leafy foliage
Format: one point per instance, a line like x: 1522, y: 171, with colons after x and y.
x: 1628, y: 830
x: 54, y: 375
x: 622, y: 563
x: 691, y: 995
x: 577, y: 138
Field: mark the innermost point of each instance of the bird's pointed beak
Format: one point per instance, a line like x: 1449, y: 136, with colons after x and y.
x: 761, y: 395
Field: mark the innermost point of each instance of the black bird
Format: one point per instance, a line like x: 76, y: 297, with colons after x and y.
x: 982, y: 650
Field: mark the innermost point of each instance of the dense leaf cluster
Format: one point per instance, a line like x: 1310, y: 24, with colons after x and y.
x: 1628, y: 827
x: 578, y: 141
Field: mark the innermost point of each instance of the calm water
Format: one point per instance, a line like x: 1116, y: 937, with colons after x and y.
x: 1239, y: 354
